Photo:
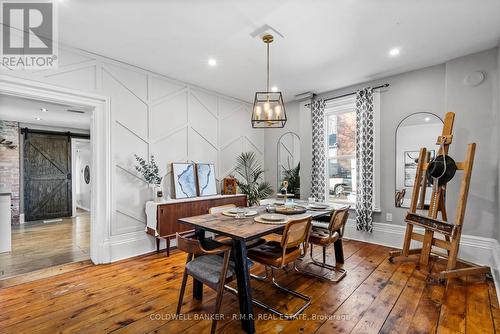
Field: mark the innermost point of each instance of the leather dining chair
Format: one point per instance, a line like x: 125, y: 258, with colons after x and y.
x: 208, y: 267
x: 278, y: 254
x: 325, y: 234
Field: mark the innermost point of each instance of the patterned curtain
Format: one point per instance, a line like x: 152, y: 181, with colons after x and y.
x: 364, y: 159
x: 318, y: 177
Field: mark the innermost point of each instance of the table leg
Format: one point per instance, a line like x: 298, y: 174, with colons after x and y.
x: 339, y: 251
x: 197, y: 285
x: 244, y: 289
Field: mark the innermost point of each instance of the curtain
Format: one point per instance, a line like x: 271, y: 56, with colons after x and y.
x: 318, y: 177
x: 364, y: 159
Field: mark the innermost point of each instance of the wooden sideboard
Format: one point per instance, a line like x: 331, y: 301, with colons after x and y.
x: 169, y: 213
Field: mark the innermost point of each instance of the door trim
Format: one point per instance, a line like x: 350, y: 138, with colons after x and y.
x: 100, y: 133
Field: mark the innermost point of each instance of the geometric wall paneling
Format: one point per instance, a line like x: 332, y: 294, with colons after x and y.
x: 234, y: 125
x: 82, y: 78
x: 228, y: 154
x: 136, y: 82
x: 168, y: 114
x: 249, y: 146
x: 124, y: 223
x: 125, y: 106
x: 170, y: 148
x: 161, y: 87
x: 200, y: 149
x: 203, y: 120
x: 125, y: 145
x: 67, y: 58
x: 207, y: 100
x: 130, y: 192
x: 228, y: 107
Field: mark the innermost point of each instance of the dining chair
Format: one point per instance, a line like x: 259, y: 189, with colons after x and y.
x: 278, y: 254
x: 325, y: 234
x: 221, y: 208
x: 208, y: 267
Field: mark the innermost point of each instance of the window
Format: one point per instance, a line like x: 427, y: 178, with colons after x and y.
x: 341, y: 150
x: 340, y: 141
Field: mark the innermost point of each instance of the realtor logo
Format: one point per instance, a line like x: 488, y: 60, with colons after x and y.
x: 28, y: 33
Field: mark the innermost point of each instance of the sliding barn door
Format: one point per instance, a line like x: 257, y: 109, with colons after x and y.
x: 47, y: 176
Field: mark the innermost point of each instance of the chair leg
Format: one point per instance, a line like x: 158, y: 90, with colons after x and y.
x: 181, y: 293
x: 324, y: 265
x: 218, y: 302
x: 269, y: 308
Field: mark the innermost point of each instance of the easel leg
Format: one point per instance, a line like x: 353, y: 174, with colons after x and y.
x: 407, y: 241
x: 426, y: 250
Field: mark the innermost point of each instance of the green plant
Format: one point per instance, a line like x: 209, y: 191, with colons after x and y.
x: 149, y: 170
x: 292, y: 175
x: 250, y: 181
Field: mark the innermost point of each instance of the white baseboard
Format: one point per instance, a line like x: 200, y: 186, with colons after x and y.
x: 479, y: 250
x: 473, y: 249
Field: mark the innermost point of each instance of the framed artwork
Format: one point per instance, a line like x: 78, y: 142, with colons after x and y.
x: 207, y: 184
x: 410, y: 165
x: 184, y: 180
x: 229, y: 186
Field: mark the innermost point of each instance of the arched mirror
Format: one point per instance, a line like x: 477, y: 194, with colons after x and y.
x: 289, y: 162
x: 414, y: 132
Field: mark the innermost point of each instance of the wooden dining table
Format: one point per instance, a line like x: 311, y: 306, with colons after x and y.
x: 242, y: 230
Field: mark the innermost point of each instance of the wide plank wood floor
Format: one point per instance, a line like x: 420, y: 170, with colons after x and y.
x: 42, y: 245
x: 139, y: 295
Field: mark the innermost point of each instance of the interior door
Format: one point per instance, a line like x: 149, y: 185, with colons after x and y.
x: 47, y: 176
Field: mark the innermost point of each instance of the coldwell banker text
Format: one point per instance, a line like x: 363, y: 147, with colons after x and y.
x: 28, y: 35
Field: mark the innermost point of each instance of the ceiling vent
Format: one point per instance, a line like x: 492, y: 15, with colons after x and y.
x: 76, y: 111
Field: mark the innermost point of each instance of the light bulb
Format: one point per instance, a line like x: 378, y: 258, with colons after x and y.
x: 277, y: 109
x: 258, y: 111
x: 266, y: 106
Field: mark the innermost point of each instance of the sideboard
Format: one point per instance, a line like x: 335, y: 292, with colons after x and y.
x: 170, y: 212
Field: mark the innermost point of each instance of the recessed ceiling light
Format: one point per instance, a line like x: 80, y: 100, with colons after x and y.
x: 274, y: 88
x: 394, y: 52
x: 44, y: 109
x: 38, y: 118
x: 212, y: 62
x: 427, y: 119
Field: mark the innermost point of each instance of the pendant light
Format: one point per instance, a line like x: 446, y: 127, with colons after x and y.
x: 268, y: 107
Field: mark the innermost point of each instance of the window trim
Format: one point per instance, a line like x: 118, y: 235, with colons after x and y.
x: 346, y: 104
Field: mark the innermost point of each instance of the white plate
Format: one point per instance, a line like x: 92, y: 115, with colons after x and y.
x: 318, y: 206
x: 273, y: 217
x: 236, y: 210
x: 249, y: 213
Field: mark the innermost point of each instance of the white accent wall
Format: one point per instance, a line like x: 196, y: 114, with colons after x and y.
x: 152, y: 114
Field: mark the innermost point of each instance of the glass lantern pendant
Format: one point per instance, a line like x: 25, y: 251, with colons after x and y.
x: 268, y: 107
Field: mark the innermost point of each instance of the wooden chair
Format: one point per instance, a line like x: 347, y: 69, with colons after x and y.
x: 208, y: 267
x: 222, y: 208
x: 278, y: 254
x: 326, y: 235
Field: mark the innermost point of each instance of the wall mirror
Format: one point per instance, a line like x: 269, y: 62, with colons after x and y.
x: 414, y: 132
x: 289, y: 163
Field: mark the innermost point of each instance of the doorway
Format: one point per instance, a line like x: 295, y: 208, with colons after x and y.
x: 50, y: 231
x: 100, y: 174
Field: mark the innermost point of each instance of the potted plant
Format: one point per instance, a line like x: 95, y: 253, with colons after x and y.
x: 151, y: 174
x: 249, y: 178
x: 292, y: 176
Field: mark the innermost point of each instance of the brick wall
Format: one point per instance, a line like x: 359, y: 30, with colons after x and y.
x: 9, y: 164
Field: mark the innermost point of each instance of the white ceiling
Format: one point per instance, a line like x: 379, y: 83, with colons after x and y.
x: 328, y: 44
x: 57, y: 115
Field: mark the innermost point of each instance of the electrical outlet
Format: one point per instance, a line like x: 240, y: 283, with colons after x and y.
x: 388, y: 217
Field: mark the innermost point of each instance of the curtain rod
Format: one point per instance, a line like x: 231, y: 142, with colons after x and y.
x: 349, y: 94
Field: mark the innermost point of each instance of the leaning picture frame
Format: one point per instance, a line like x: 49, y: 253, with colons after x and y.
x: 206, y: 179
x: 184, y: 180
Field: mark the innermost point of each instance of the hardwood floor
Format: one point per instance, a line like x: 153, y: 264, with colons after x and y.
x: 139, y: 295
x: 42, y: 245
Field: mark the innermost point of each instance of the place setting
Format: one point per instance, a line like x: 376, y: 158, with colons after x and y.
x: 240, y: 212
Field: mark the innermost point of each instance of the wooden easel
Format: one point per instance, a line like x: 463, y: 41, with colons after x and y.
x: 430, y: 223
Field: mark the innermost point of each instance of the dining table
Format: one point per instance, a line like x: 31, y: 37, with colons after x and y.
x: 241, y: 231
